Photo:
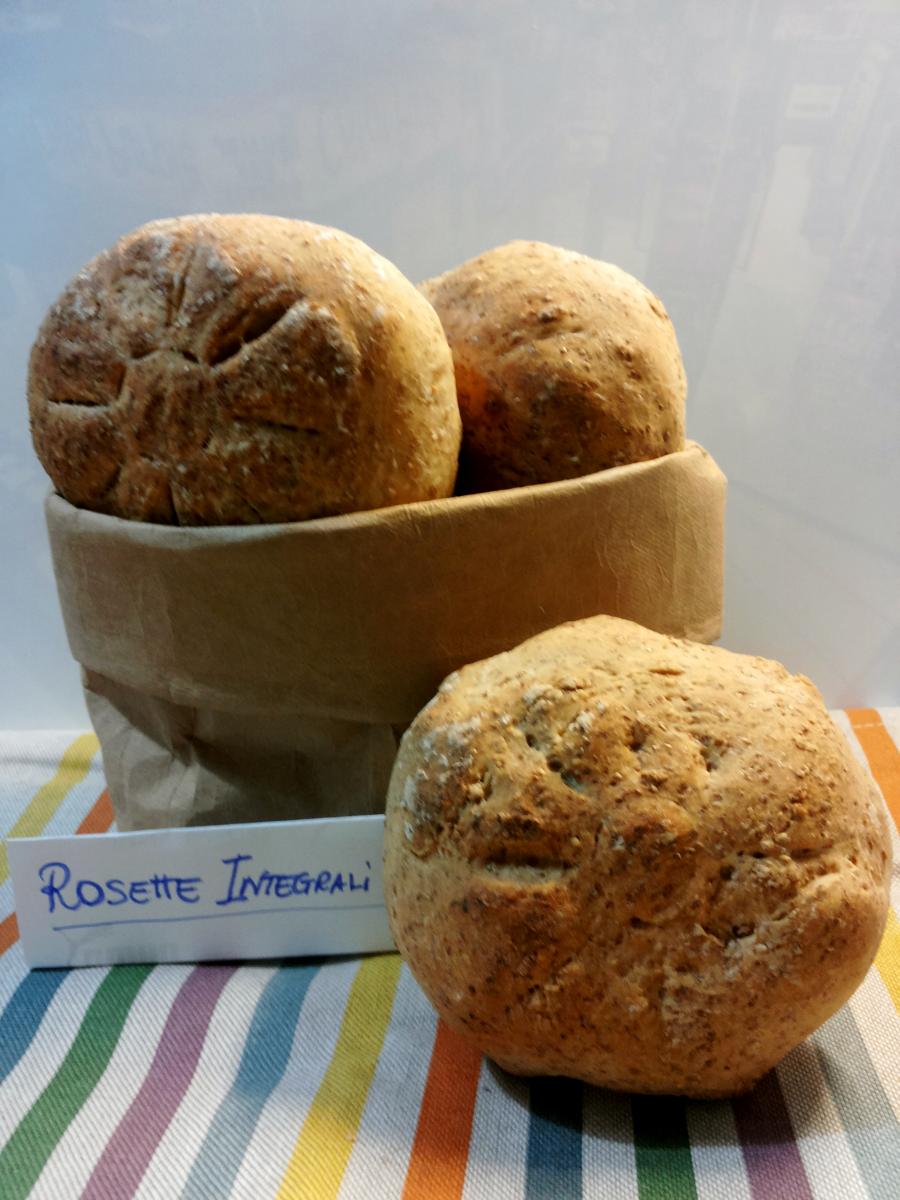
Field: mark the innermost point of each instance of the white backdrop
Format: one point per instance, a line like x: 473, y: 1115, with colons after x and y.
x: 742, y: 158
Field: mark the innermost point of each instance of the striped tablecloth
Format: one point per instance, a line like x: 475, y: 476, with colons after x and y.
x: 333, y: 1078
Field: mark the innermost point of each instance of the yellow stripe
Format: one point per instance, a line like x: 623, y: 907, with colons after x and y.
x: 324, y: 1143
x: 73, y: 767
x: 887, y: 960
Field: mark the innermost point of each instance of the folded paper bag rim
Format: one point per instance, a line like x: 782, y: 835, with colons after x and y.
x: 358, y: 617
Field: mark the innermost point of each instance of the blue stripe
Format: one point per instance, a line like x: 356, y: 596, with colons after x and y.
x: 23, y: 1014
x: 553, y: 1160
x: 865, y: 1111
x: 265, y: 1057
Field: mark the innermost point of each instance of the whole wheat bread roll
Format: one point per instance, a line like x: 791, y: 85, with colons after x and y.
x: 564, y: 365
x: 646, y: 863
x: 212, y: 370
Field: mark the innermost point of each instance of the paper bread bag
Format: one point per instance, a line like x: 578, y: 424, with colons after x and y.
x: 265, y: 672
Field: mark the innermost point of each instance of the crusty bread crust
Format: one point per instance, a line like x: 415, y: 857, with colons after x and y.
x: 213, y: 370
x: 646, y: 863
x: 564, y: 365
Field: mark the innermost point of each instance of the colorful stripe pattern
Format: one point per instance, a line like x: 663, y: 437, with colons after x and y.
x: 334, y: 1079
x: 263, y: 1063
x: 73, y: 767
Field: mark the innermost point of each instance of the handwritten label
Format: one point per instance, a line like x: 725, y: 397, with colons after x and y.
x: 273, y: 890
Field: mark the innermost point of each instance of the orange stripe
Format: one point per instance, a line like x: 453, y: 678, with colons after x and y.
x: 9, y: 932
x: 98, y: 820
x: 100, y: 817
x: 440, y: 1153
x: 883, y: 755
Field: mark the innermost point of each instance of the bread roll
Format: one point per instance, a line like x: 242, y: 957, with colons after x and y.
x: 214, y: 370
x: 646, y: 863
x: 564, y: 365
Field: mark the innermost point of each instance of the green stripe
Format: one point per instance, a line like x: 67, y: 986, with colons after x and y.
x: 27, y: 1151
x: 662, y: 1149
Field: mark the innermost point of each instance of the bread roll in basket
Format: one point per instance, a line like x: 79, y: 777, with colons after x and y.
x: 252, y: 429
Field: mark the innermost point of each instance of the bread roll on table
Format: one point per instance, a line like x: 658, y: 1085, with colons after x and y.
x: 214, y: 370
x: 646, y: 863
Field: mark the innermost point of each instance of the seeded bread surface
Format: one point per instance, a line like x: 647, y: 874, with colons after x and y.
x: 212, y: 370
x: 646, y: 863
x: 564, y: 365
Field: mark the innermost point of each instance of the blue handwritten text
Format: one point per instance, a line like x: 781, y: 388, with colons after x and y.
x: 244, y: 885
x: 62, y: 891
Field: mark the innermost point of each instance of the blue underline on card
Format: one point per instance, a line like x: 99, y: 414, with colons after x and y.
x: 248, y: 912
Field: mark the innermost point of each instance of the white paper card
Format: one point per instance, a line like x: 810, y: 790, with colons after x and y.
x: 273, y: 890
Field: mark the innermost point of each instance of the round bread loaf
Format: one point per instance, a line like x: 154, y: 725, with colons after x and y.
x: 564, y: 365
x: 214, y: 370
x: 642, y: 862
